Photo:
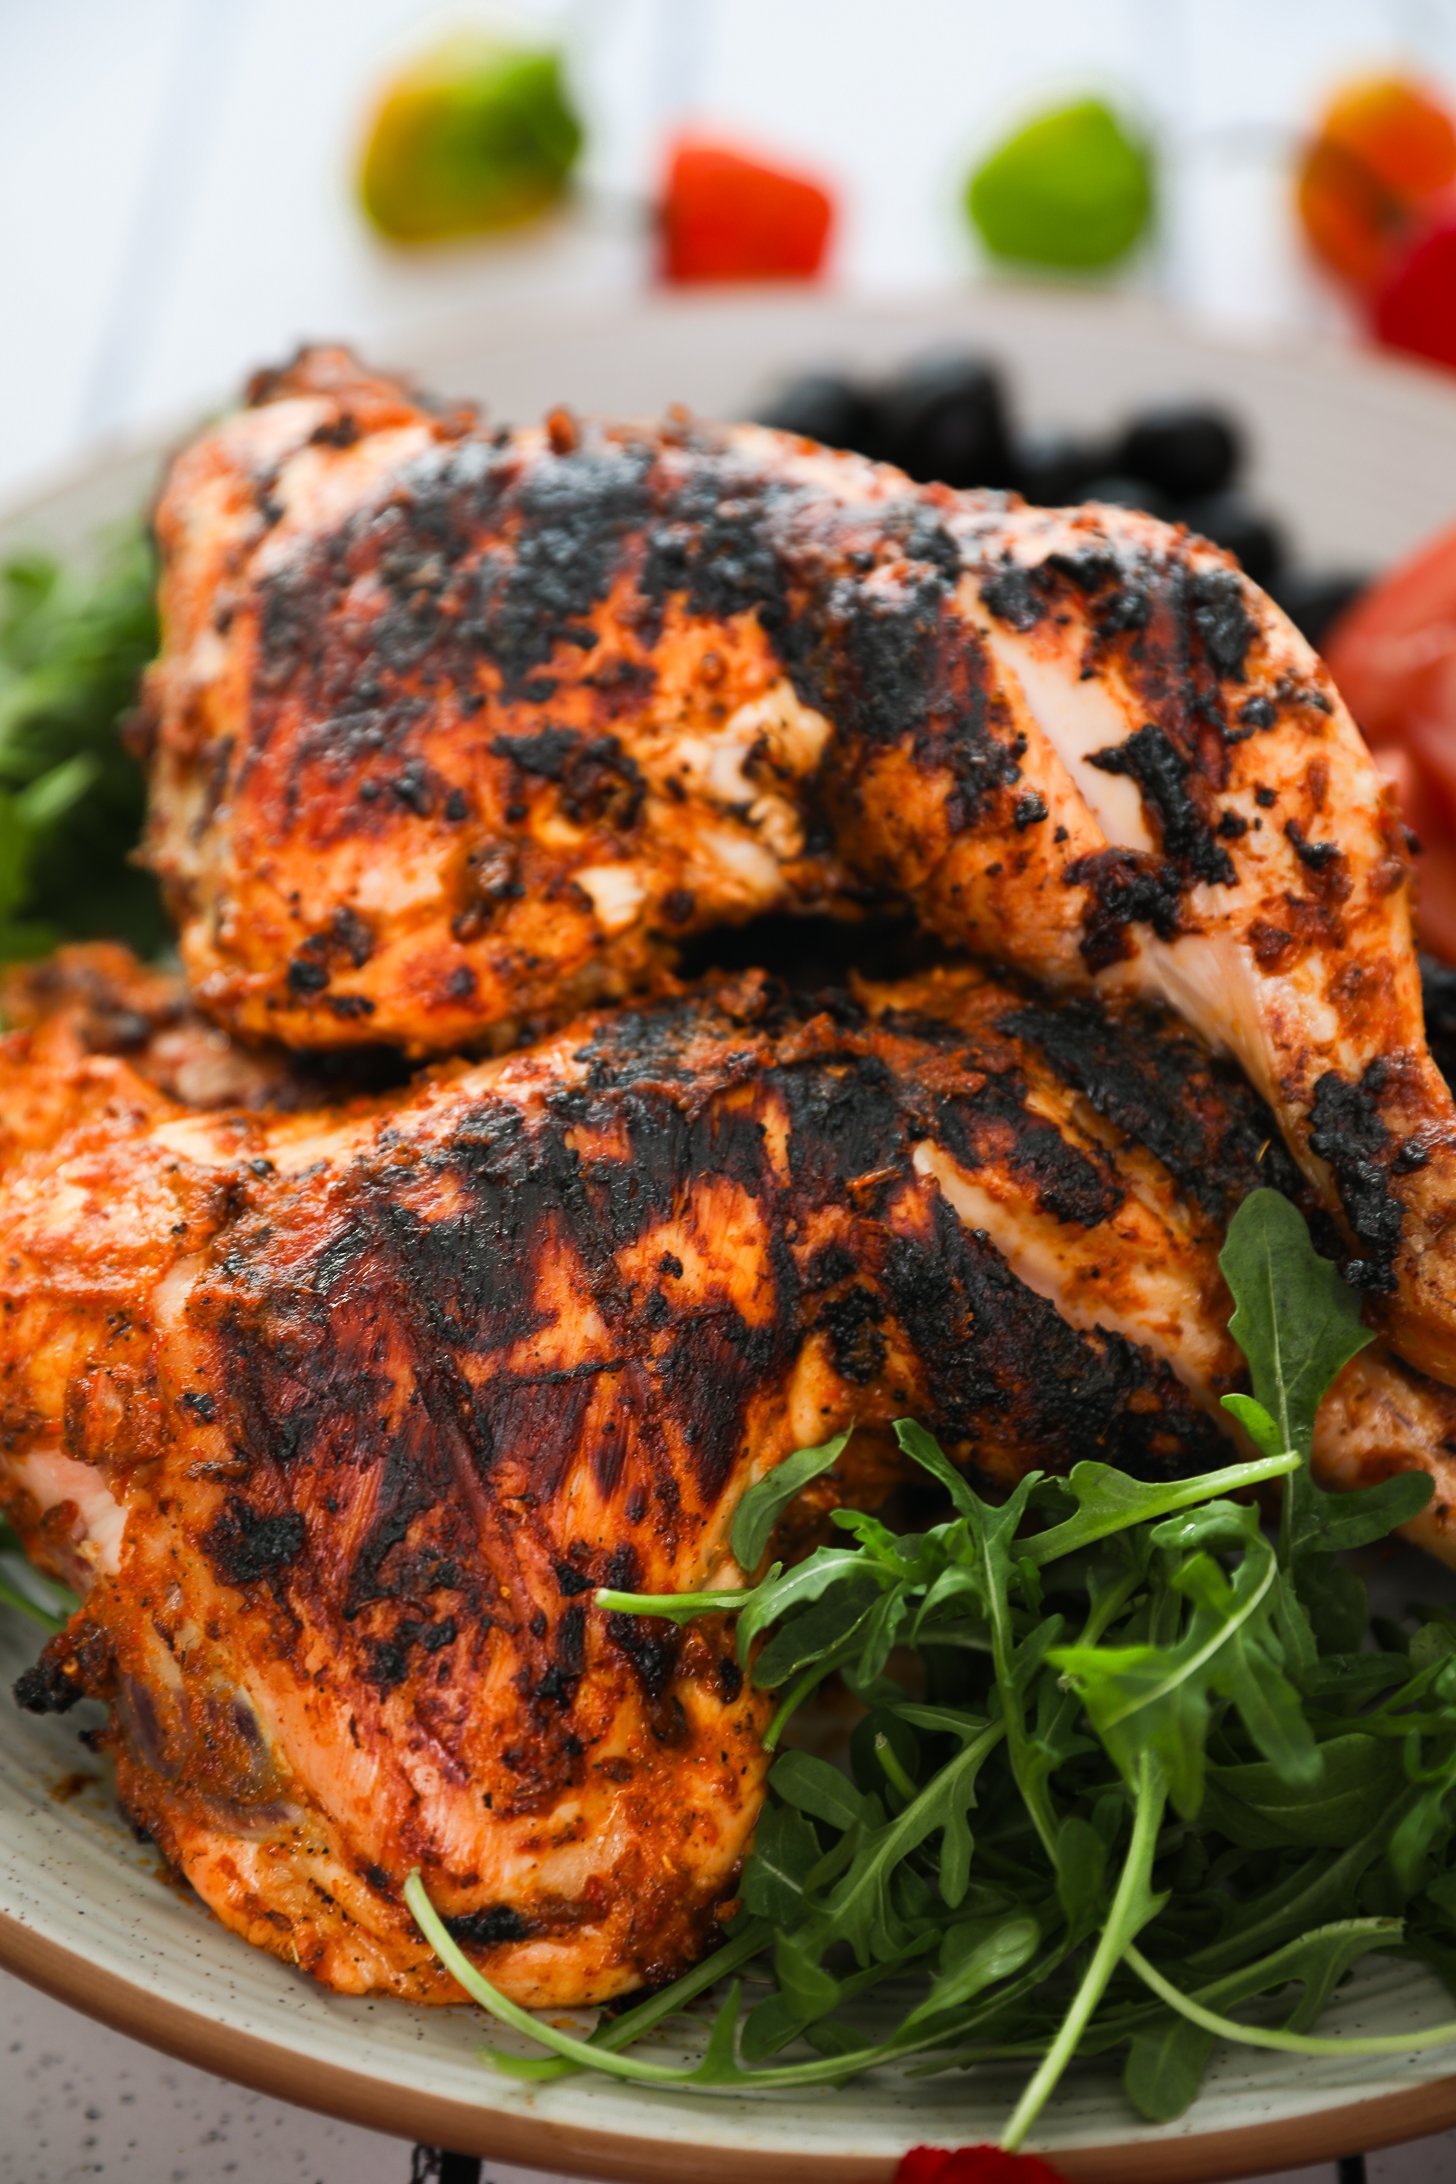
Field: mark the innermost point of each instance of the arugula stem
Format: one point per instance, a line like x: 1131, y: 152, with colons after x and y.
x: 490, y: 1998
x: 677, y: 1607
x: 892, y: 1770
x: 1271, y: 2036
x: 804, y: 1686
x: 1132, y: 1906
x: 12, y: 1597
x: 590, y: 2054
x: 1033, y: 1791
x: 748, y: 1939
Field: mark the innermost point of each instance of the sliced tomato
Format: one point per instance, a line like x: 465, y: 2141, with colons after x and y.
x: 1393, y: 655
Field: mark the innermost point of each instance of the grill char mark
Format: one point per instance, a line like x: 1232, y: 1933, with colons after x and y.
x: 470, y: 551
x: 528, y: 1330
x: 1161, y: 1089
x: 794, y: 681
x: 449, y: 1250
x: 1350, y: 1133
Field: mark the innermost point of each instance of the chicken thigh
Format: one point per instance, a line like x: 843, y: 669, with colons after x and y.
x: 455, y: 730
x: 338, y: 1418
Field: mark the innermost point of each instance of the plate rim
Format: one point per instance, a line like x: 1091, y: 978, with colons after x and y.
x: 1318, y: 350
x: 551, y: 2143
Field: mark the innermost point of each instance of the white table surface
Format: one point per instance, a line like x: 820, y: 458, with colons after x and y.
x: 175, y: 207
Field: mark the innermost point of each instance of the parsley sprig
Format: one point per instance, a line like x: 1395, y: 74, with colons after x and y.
x: 1130, y: 1775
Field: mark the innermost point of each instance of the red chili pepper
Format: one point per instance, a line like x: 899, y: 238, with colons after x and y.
x: 973, y: 2165
x: 728, y: 217
x: 1415, y: 306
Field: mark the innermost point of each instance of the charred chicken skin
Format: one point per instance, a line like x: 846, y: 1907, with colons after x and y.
x: 338, y: 1418
x: 454, y: 731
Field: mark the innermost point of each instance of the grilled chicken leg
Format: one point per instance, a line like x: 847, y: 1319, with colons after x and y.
x: 456, y: 730
x: 337, y: 1418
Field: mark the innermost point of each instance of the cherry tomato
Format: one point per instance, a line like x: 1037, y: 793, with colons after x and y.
x: 726, y: 216
x: 1382, y: 150
x: 1393, y: 655
x: 974, y: 2165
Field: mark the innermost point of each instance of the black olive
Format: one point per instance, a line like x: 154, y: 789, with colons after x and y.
x: 1256, y: 542
x: 1052, y: 468
x: 827, y: 407
x: 1182, y: 448
x: 1126, y: 493
x: 944, y: 417
x: 1313, y: 602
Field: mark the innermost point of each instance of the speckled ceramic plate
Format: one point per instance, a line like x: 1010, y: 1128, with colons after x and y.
x: 1359, y: 457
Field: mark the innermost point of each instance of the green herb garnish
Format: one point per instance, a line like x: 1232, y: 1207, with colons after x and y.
x: 1111, y: 1789
x: 22, y: 1587
x: 73, y: 644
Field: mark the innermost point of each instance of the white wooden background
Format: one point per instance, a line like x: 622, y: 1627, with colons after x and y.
x: 175, y: 207
x: 175, y: 175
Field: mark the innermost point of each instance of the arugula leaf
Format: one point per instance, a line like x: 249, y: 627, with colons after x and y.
x: 1423, y: 1830
x: 811, y: 1785
x: 1110, y: 1501
x: 1165, y: 2067
x: 785, y: 1853
x: 1257, y: 1806
x: 804, y: 1985
x: 990, y: 1533
x: 818, y: 1630
x: 1156, y: 1698
x: 1295, y: 1319
x: 1337, y: 1523
x: 859, y: 1910
x: 927, y: 1452
x: 763, y: 1504
x: 975, y: 1955
x: 1298, y: 1324
x: 1081, y: 1869
x: 783, y: 1592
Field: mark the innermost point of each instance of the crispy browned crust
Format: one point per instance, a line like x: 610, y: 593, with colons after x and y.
x: 382, y: 1393
x: 528, y: 1332
x: 455, y: 731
